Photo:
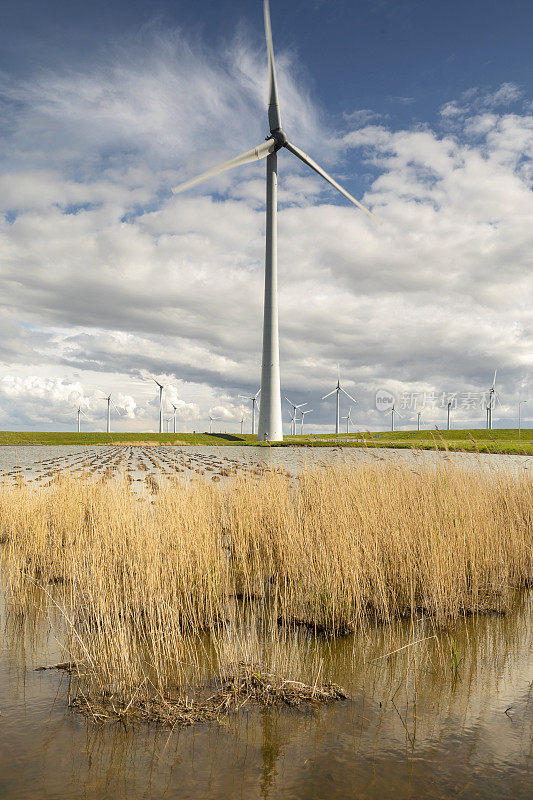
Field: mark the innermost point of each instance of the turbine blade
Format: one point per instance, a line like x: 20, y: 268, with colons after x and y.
x: 348, y: 395
x: 261, y: 151
x: 257, y: 394
x: 494, y: 381
x: 329, y: 395
x: 274, y: 116
x: 289, y: 401
x: 310, y: 163
x: 116, y: 409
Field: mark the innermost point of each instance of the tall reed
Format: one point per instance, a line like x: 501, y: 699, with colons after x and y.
x: 161, y: 590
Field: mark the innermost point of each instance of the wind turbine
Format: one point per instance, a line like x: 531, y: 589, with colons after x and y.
x: 242, y: 423
x: 254, y: 401
x: 174, y: 415
x: 393, y: 413
x: 293, y: 416
x: 80, y: 412
x: 338, y: 389
x: 303, y: 413
x: 449, y: 407
x: 270, y: 422
x: 348, y: 419
x: 109, y: 402
x: 519, y: 404
x: 211, y: 420
x: 160, y: 405
x: 492, y: 392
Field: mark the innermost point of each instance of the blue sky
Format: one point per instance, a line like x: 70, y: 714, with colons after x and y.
x: 360, y: 54
x: 423, y: 108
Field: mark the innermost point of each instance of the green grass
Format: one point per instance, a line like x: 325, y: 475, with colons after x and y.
x: 503, y: 440
x: 495, y: 441
x: 95, y: 438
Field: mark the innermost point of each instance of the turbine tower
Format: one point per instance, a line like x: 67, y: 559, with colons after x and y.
x: 338, y: 389
x: 270, y: 423
x: 293, y: 415
x: 160, y: 404
x: 254, y: 401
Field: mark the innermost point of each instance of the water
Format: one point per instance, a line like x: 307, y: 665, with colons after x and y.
x: 411, y: 728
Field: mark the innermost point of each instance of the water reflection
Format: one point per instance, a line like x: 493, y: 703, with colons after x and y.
x: 413, y: 727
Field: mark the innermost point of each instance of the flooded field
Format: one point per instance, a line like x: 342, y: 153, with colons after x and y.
x: 39, y: 465
x: 438, y: 697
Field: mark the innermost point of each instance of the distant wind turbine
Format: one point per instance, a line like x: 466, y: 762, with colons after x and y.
x: 80, y: 412
x: 293, y: 415
x: 270, y: 421
x: 174, y: 415
x: 242, y: 423
x: 161, y: 387
x: 449, y: 407
x: 393, y: 414
x: 109, y: 402
x: 303, y: 413
x: 348, y: 419
x: 338, y: 389
x: 253, y: 398
x: 520, y: 402
x: 211, y: 420
x: 492, y: 392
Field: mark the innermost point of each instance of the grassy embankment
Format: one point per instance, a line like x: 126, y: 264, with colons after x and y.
x: 495, y: 441
x: 157, y: 595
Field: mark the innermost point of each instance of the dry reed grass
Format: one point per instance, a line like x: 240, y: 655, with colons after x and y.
x: 168, y: 591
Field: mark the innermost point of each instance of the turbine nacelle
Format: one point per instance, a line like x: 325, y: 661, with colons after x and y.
x: 280, y: 138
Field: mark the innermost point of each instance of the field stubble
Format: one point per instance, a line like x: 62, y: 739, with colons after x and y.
x: 185, y: 605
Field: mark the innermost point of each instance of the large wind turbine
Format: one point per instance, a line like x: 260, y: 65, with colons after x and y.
x: 270, y: 423
x: 338, y: 389
x: 253, y: 398
x: 174, y: 415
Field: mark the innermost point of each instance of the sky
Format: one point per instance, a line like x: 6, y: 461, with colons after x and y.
x: 423, y: 110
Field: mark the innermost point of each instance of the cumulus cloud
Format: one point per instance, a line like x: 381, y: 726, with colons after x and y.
x: 108, y: 277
